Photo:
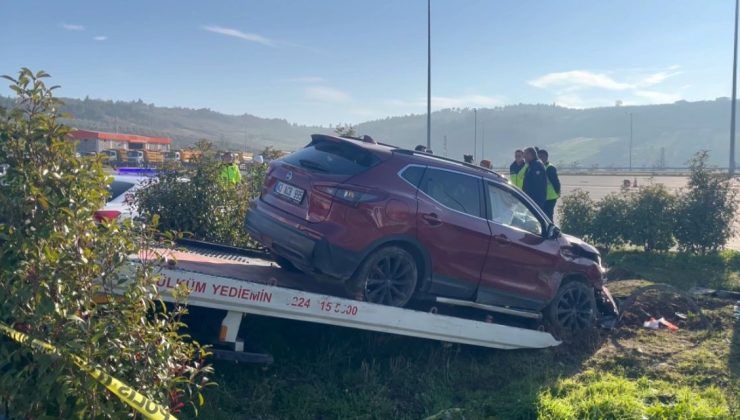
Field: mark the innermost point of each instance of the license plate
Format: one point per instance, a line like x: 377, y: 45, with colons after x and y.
x: 290, y: 192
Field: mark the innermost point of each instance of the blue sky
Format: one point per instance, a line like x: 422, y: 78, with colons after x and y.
x: 332, y: 61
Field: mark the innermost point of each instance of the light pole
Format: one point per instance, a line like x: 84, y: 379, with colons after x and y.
x: 429, y: 74
x: 630, y: 141
x: 734, y: 97
x: 475, y: 134
x: 482, y: 140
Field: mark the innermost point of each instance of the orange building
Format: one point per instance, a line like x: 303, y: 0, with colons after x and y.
x: 97, y: 141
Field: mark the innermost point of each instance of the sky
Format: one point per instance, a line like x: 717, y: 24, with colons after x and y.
x: 346, y: 61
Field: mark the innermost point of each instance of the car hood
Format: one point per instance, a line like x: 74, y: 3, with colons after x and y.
x: 580, y: 243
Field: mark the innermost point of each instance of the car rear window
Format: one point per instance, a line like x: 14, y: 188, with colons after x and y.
x: 116, y: 188
x: 333, y: 157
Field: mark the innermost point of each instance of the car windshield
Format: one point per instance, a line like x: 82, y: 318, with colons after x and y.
x: 116, y: 188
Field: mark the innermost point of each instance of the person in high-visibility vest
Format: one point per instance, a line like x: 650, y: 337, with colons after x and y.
x: 230, y: 173
x: 553, y: 184
x: 516, y: 166
x: 534, y: 177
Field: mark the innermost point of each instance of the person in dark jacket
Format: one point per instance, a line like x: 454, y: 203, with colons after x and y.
x: 535, y: 178
x: 553, y: 184
x: 516, y: 165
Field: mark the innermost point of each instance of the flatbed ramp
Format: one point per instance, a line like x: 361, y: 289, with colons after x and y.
x: 247, y: 285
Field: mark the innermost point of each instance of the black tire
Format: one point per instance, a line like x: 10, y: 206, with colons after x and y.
x: 285, y: 264
x: 388, y: 277
x: 572, y: 311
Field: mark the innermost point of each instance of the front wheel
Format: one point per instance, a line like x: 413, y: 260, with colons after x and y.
x: 573, y: 310
x: 387, y: 277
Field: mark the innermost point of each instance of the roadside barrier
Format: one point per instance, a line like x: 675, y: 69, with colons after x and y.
x: 146, y: 407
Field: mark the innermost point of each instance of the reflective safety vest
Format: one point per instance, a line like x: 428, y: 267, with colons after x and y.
x: 518, y: 178
x: 230, y: 174
x: 551, y: 193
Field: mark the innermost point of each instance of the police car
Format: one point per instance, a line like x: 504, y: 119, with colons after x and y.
x: 121, y: 205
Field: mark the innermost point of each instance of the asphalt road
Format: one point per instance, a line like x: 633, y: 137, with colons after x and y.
x: 599, y: 186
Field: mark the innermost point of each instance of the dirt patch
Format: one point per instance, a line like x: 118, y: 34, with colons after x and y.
x: 661, y: 301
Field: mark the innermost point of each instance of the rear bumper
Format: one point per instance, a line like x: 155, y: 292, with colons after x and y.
x: 311, y: 253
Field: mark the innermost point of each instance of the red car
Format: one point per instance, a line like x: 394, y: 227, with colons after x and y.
x: 393, y: 224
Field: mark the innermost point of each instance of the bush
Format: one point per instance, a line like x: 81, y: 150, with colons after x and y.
x: 610, y: 220
x: 651, y: 218
x: 706, y: 211
x: 196, y: 200
x: 55, y: 259
x: 577, y: 212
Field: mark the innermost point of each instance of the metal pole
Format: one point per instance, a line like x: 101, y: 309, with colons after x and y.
x: 630, y: 141
x: 475, y: 135
x: 429, y: 74
x: 734, y: 97
x: 483, y: 141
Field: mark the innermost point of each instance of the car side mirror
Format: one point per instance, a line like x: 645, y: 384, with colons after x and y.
x: 553, y: 231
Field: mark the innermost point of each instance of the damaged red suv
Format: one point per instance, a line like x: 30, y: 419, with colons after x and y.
x: 394, y: 224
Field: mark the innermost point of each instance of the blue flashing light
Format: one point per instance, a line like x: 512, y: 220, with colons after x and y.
x: 137, y: 171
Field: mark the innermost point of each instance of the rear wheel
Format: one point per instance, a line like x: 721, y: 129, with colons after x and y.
x: 388, y: 277
x: 573, y: 310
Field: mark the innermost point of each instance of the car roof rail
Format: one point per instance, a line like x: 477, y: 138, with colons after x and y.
x: 446, y: 159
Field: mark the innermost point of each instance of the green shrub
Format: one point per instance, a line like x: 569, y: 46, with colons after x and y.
x: 195, y: 200
x: 707, y: 210
x: 577, y: 211
x: 610, y: 220
x: 54, y: 259
x: 651, y: 218
x: 595, y: 395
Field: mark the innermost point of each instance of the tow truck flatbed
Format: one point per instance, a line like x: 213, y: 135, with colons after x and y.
x: 242, y: 285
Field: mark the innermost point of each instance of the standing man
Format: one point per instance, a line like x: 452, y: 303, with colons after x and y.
x: 230, y: 173
x: 534, y: 180
x: 515, y: 167
x: 553, y: 184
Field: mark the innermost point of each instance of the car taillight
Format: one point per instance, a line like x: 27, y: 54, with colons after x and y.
x: 106, y: 215
x: 348, y: 195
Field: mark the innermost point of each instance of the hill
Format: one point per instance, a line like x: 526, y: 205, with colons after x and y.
x: 574, y: 137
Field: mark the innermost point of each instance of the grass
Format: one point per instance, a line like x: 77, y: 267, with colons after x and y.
x: 325, y: 372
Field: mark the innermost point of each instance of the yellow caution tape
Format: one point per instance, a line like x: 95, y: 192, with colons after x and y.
x: 148, y: 408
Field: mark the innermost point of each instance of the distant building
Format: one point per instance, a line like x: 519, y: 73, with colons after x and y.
x: 97, y: 141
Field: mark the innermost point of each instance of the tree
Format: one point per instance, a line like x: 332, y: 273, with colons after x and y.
x: 55, y: 259
x: 345, y: 130
x: 610, y: 220
x: 707, y: 210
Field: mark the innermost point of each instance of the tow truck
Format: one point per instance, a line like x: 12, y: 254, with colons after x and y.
x: 243, y: 282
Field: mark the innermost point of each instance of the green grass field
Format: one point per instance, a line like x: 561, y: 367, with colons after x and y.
x: 325, y: 372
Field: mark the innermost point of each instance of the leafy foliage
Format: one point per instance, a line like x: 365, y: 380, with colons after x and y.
x: 345, y: 130
x: 55, y: 259
x: 609, y: 221
x: 651, y: 218
x: 577, y: 212
x: 195, y: 200
x: 707, y: 210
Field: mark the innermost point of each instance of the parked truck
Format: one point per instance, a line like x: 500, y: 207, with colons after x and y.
x: 145, y: 158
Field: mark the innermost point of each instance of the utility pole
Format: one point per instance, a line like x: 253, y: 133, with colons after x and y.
x: 734, y: 97
x: 630, y: 141
x: 475, y: 134
x: 445, y: 145
x: 429, y: 74
x: 483, y: 141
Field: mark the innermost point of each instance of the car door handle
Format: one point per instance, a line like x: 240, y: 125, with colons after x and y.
x: 431, y: 219
x: 501, y: 239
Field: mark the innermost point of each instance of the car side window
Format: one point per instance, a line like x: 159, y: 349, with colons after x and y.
x: 453, y: 190
x: 413, y: 174
x: 509, y: 210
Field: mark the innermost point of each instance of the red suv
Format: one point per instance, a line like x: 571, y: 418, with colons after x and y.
x: 393, y: 224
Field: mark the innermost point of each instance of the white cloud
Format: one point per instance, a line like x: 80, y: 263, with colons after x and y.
x: 259, y: 39
x: 326, y: 94
x: 100, y: 38
x: 579, y: 79
x: 659, y: 77
x: 71, y: 27
x: 306, y: 79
